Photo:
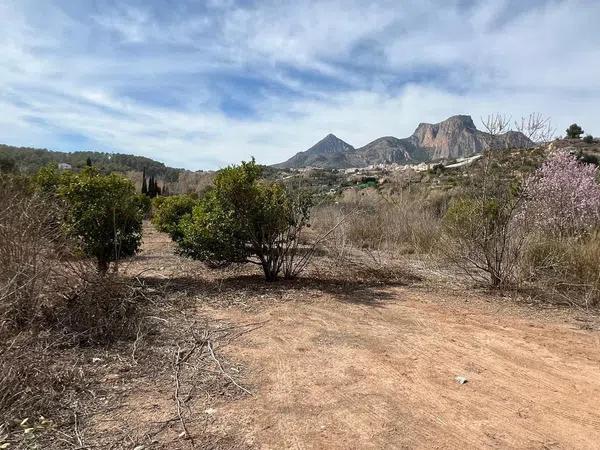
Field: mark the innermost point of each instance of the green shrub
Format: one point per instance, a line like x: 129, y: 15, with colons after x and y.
x: 103, y: 215
x: 144, y: 203
x: 246, y: 219
x: 168, y: 212
x: 589, y: 139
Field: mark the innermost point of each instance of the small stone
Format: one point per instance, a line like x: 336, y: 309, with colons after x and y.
x: 461, y: 380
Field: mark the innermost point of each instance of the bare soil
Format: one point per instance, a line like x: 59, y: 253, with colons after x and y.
x: 343, y: 360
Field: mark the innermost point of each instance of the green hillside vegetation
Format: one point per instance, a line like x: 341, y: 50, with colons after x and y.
x: 30, y: 160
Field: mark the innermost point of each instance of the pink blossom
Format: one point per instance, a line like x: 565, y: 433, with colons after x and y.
x: 563, y: 196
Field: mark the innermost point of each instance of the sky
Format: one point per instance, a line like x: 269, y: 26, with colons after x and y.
x: 204, y: 84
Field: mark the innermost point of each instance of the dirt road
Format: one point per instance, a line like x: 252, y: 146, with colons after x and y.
x: 344, y: 375
x: 352, y: 367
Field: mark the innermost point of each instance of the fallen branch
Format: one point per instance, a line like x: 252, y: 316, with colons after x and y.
x: 225, y: 374
x: 177, y: 365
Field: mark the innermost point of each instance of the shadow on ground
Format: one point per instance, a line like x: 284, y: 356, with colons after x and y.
x: 250, y: 287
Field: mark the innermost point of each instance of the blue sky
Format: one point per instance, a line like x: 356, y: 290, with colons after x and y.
x: 201, y: 84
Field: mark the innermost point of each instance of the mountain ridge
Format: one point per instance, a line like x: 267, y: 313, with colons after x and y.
x: 454, y: 137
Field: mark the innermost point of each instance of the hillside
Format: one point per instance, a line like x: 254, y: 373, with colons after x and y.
x: 455, y: 137
x: 29, y: 160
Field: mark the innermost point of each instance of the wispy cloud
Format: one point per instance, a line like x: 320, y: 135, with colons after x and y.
x: 203, y: 84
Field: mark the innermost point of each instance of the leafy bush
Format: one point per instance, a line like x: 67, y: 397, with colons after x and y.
x: 168, y: 212
x: 246, y: 219
x: 103, y: 215
x: 589, y: 139
x: 563, y: 196
x: 144, y: 204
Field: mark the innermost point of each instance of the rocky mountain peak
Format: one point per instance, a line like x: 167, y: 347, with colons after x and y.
x: 329, y: 144
x: 459, y: 121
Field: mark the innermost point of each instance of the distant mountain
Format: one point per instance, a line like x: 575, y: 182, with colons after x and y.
x: 329, y: 152
x: 29, y: 160
x: 453, y: 138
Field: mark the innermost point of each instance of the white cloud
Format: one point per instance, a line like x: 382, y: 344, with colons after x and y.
x: 387, y: 66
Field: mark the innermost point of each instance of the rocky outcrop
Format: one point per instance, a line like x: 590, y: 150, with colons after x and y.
x: 458, y: 137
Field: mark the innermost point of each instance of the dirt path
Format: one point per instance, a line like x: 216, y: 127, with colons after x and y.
x: 331, y: 375
x: 376, y: 369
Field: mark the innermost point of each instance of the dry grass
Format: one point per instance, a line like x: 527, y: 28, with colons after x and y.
x: 388, y: 225
x: 564, y: 270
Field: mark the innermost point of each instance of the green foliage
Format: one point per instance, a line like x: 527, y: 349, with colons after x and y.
x: 574, y: 131
x: 246, y: 219
x: 7, y: 165
x: 144, y: 203
x: 589, y: 139
x: 47, y: 179
x: 169, y: 211
x: 103, y: 215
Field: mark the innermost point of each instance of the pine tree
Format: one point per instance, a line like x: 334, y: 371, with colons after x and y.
x: 574, y: 131
x: 88, y: 162
x: 144, y: 183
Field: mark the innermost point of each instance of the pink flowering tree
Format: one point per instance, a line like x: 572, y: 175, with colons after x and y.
x: 563, y: 196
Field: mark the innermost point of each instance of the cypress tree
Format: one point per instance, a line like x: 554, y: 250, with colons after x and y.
x: 144, y: 183
x: 151, y: 188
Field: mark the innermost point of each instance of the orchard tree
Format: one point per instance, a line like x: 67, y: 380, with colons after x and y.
x: 103, y: 215
x: 574, y: 131
x: 244, y: 219
x: 563, y: 196
x: 169, y: 211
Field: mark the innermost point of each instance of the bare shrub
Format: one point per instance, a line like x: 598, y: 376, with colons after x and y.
x: 30, y: 239
x: 100, y: 310
x: 481, y: 237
